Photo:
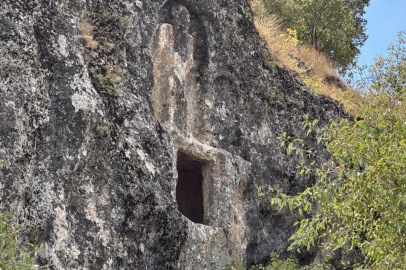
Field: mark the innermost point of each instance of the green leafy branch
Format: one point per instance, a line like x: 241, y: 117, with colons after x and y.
x: 359, y: 199
x: 14, y: 256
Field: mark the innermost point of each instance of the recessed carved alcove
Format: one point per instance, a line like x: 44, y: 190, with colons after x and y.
x: 208, y: 191
x: 189, y: 189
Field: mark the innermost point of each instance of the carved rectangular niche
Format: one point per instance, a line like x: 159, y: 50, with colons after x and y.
x: 210, y: 183
x: 209, y: 191
x: 189, y: 189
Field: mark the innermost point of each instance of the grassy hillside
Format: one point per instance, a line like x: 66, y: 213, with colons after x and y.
x: 313, y: 67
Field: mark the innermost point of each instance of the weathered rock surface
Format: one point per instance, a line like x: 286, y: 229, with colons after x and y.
x: 99, y: 100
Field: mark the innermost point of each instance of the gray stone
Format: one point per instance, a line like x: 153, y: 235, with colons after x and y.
x: 91, y: 124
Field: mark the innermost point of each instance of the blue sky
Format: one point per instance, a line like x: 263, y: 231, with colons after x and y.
x: 385, y: 19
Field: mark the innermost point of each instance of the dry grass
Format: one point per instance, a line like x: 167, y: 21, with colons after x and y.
x: 269, y: 29
x: 286, y: 52
x: 109, y: 46
x: 316, y: 61
x: 347, y: 96
x: 102, y: 43
x: 105, y: 45
x: 87, y: 34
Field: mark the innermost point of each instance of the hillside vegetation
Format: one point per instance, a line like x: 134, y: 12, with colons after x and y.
x: 313, y: 67
x: 355, y: 211
x: 334, y: 27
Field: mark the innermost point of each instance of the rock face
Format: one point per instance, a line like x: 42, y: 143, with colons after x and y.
x: 113, y: 113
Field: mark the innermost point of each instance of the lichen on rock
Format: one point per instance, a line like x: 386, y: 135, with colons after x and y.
x: 91, y: 133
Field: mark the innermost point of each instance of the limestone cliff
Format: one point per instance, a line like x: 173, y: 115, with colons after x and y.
x: 135, y: 132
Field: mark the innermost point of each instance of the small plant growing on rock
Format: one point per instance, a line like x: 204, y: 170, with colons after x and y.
x: 247, y: 13
x: 3, y: 163
x: 234, y: 266
x: 101, y: 130
x: 87, y: 34
x: 277, y: 264
x: 108, y: 78
x: 106, y: 45
x: 12, y: 255
x: 273, y: 97
x: 102, y: 31
x: 313, y: 84
x: 115, y: 21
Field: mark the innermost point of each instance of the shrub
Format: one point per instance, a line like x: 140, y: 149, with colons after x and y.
x: 278, y: 264
x: 359, y: 199
x: 12, y: 255
x: 107, y: 78
x: 87, y: 34
x: 102, y: 31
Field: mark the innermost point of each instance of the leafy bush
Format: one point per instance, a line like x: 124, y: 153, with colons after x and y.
x: 12, y: 255
x: 359, y: 200
x: 289, y: 39
x: 387, y: 74
x: 107, y: 78
x: 277, y: 264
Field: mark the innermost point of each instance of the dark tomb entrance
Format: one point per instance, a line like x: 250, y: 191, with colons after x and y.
x: 189, y: 190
